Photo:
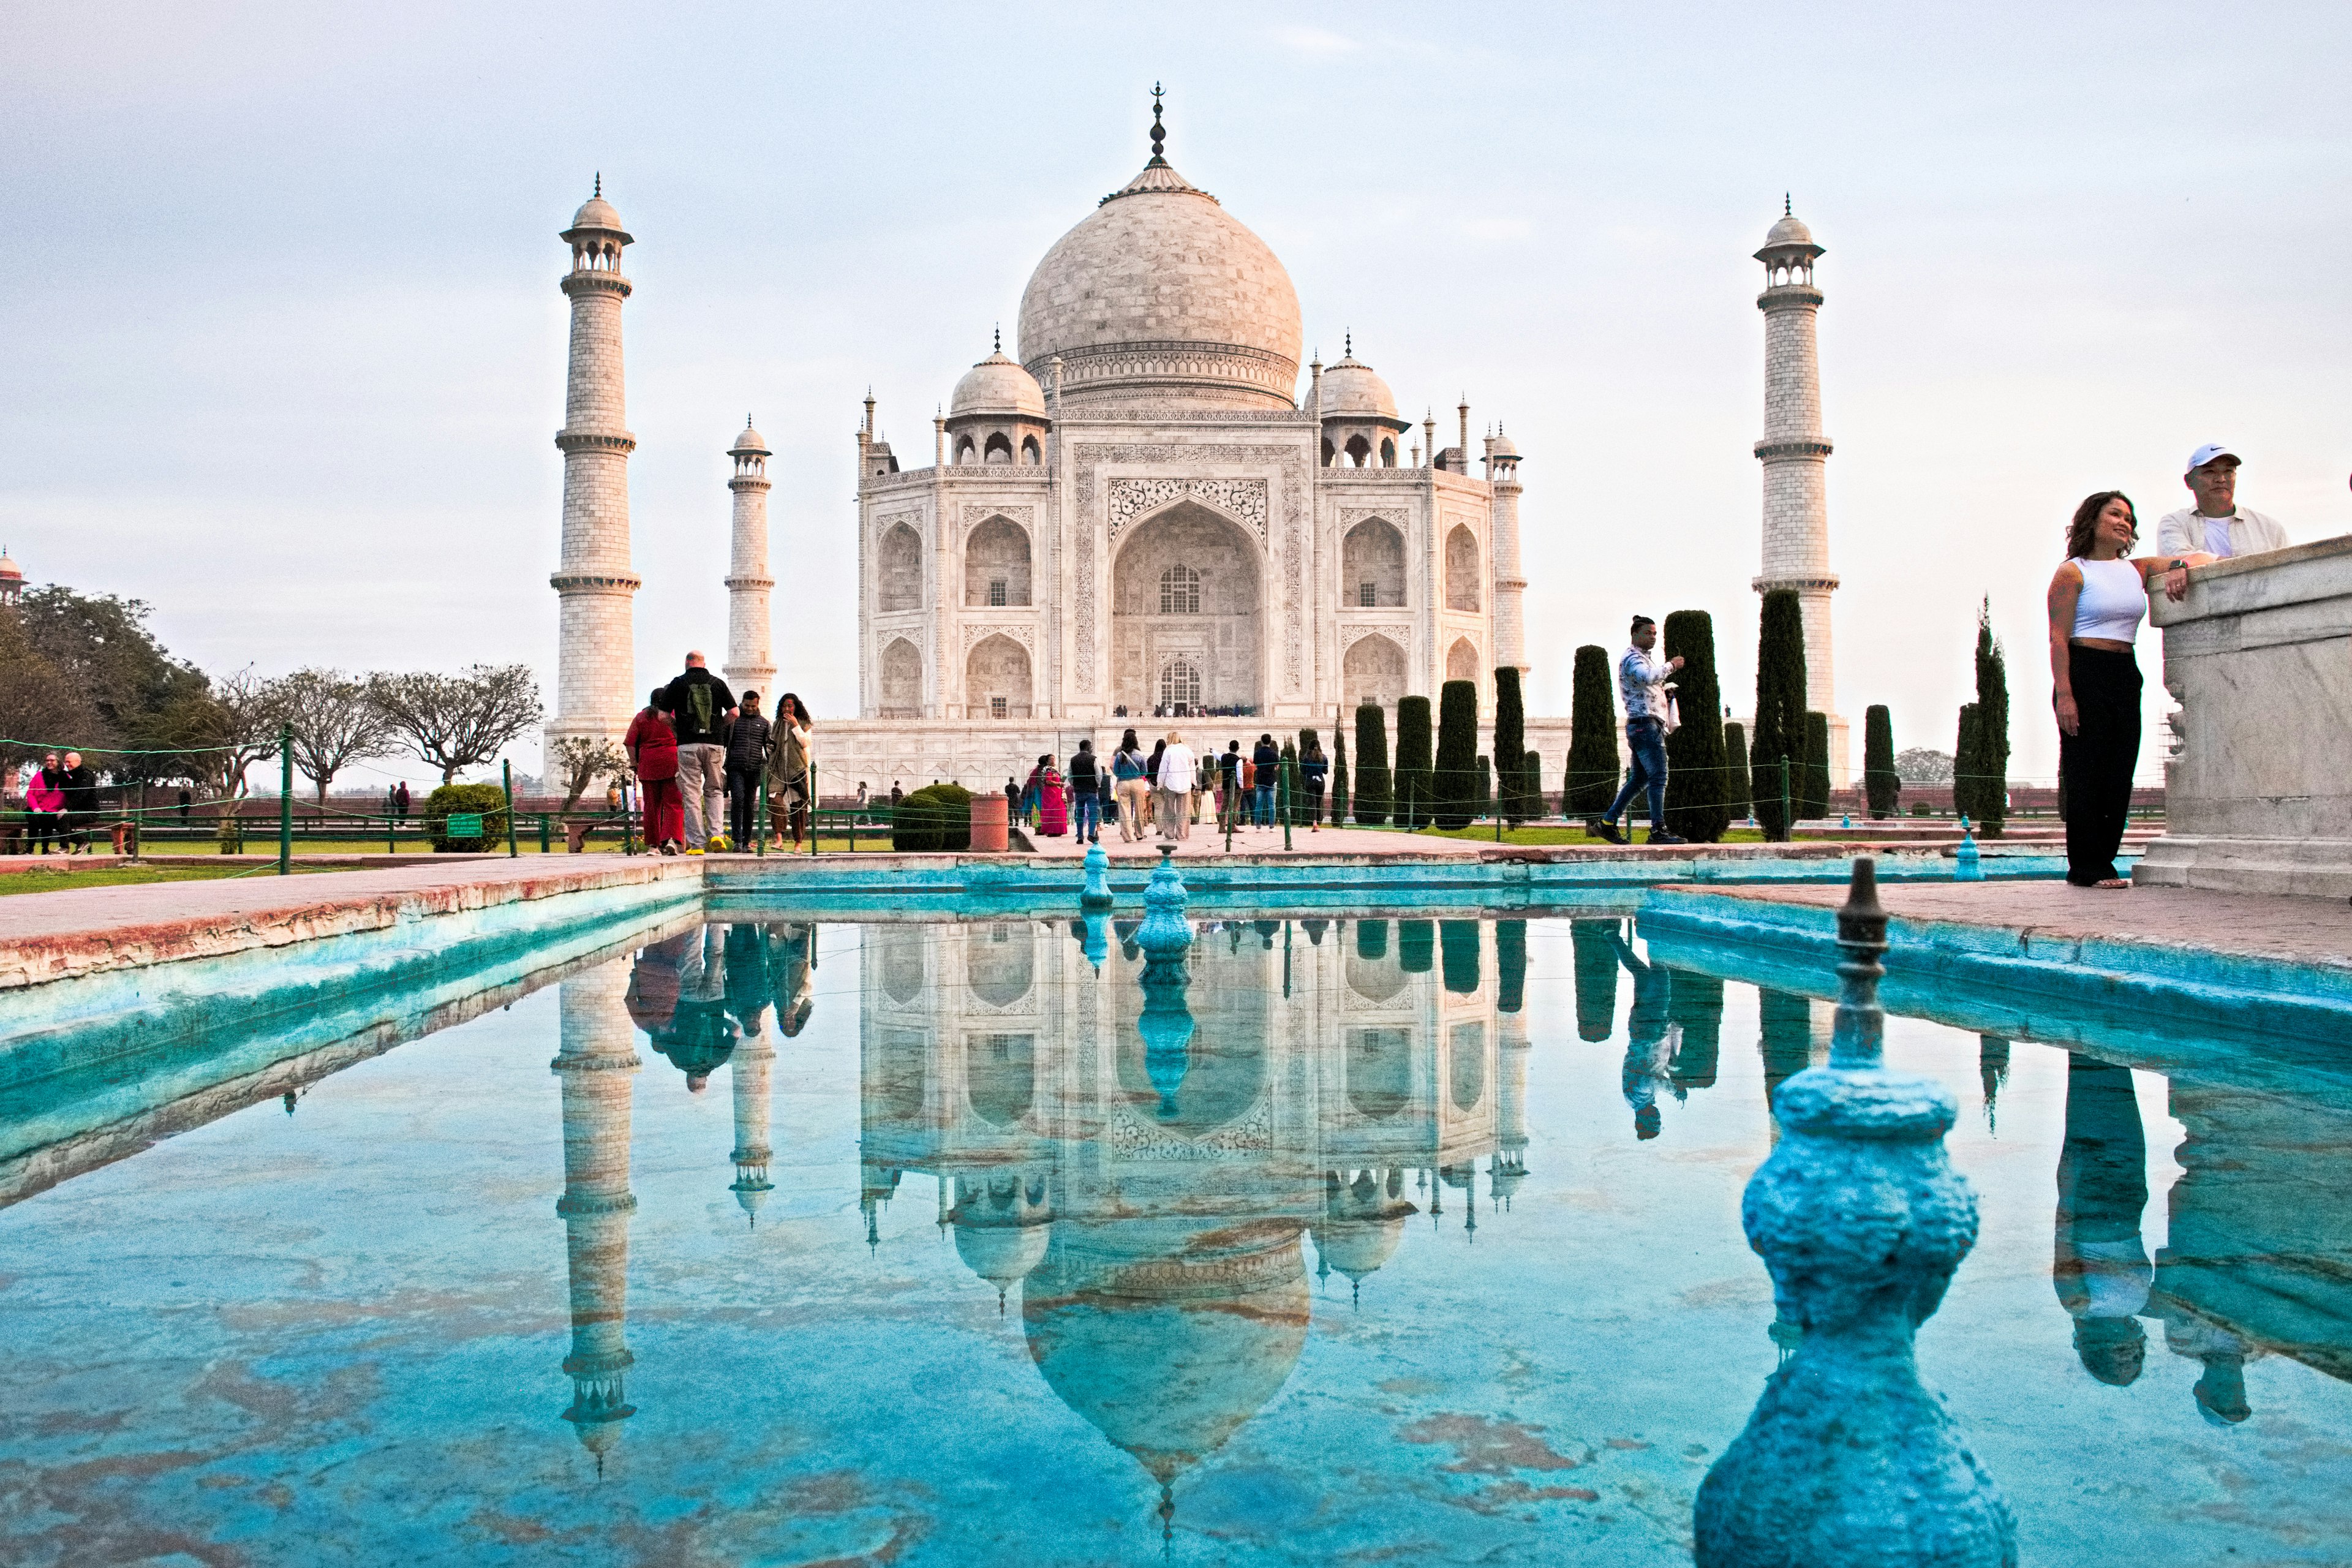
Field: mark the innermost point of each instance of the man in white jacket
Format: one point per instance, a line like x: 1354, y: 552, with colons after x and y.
x: 2217, y: 526
x: 1175, y: 787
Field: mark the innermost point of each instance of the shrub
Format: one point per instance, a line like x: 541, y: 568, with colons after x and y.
x: 1735, y: 771
x: 1591, y: 781
x: 487, y: 801
x: 1374, y: 793
x: 1695, y: 781
x: 1815, y: 794
x: 933, y: 819
x: 1779, y: 708
x: 1879, y: 783
x: 1417, y: 773
x: 1456, y: 777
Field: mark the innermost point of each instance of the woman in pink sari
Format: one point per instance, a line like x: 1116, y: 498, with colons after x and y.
x: 1053, y: 805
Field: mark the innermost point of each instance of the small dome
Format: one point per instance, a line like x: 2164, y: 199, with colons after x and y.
x: 1004, y: 1255
x: 998, y: 385
x: 9, y: 570
x: 596, y: 213
x: 749, y: 442
x: 1357, y: 1247
x: 1354, y: 390
x: 1790, y: 230
x: 1502, y: 446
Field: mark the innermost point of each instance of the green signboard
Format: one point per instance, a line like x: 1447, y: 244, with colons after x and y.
x: 465, y: 824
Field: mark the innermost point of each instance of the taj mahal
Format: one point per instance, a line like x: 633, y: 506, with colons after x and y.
x: 1141, y: 511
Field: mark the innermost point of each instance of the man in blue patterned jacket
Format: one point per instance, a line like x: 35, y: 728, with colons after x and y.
x: 1642, y: 687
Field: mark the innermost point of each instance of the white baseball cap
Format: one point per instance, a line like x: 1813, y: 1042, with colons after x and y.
x: 2207, y: 453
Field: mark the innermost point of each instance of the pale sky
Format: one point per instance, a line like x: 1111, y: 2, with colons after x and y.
x: 285, y: 347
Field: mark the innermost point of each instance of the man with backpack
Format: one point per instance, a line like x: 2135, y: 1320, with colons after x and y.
x: 701, y: 708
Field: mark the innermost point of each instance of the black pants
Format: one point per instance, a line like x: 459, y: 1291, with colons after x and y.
x: 2097, y: 764
x: 742, y: 807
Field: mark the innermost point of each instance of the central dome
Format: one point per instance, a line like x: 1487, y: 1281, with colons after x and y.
x: 1160, y: 294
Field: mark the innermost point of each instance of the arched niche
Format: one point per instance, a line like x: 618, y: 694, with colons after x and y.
x: 1000, y: 1077
x: 1380, y: 1071
x: 999, y: 448
x: 1465, y: 1068
x: 1359, y: 452
x: 899, y: 569
x: 996, y: 564
x: 1371, y: 565
x: 902, y: 680
x: 1213, y: 619
x: 1462, y: 660
x: 1001, y: 961
x: 1462, y: 569
x: 1029, y: 456
x: 1373, y: 672
x: 898, y: 952
x: 996, y: 679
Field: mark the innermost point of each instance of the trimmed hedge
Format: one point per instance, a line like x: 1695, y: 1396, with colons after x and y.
x: 488, y: 801
x: 934, y: 820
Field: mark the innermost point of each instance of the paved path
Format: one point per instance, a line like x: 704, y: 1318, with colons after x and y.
x: 2300, y: 929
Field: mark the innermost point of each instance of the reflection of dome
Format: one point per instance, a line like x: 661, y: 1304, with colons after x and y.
x: 997, y: 385
x: 1359, y: 1246
x: 1351, y: 389
x: 1167, y: 1351
x: 1003, y: 1255
x: 1159, y: 291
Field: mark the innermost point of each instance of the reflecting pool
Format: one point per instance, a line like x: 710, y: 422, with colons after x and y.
x: 1408, y: 1239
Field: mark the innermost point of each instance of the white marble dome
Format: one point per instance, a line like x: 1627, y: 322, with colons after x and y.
x: 1162, y: 294
x: 997, y: 385
x: 1352, y: 389
x: 596, y: 213
x: 748, y: 441
x: 1790, y: 230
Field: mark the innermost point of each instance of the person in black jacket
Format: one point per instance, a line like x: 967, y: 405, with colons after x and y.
x: 1085, y: 794
x: 699, y: 706
x: 80, y: 782
x: 1266, y: 761
x: 748, y: 745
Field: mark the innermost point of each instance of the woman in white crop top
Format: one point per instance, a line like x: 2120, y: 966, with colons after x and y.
x: 2096, y: 601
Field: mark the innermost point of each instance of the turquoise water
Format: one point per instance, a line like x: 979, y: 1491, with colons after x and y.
x: 1408, y: 1240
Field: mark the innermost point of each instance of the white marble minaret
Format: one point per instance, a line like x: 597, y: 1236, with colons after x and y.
x: 595, y: 656
x: 595, y: 1062
x: 1510, y: 586
x: 1795, y: 454
x: 749, y: 663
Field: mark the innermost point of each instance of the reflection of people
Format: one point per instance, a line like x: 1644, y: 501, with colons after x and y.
x: 2098, y: 1266
x: 1651, y: 1035
x: 790, y: 950
x: 2217, y: 525
x: 676, y: 995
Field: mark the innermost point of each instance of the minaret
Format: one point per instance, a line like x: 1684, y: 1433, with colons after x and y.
x: 749, y: 1067
x: 1795, y: 456
x: 595, y: 658
x: 598, y: 1054
x: 1510, y: 627
x: 750, y: 664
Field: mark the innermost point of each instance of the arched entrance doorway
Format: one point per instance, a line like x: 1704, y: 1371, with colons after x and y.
x: 1185, y: 613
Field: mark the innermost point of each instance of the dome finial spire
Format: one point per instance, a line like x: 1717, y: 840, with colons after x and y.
x: 1159, y: 132
x: 1788, y: 205
x: 1352, y: 345
x: 598, y: 193
x: 999, y: 337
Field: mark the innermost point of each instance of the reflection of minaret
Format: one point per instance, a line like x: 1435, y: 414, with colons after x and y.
x: 749, y: 1067
x: 594, y: 1063
x: 1509, y: 1166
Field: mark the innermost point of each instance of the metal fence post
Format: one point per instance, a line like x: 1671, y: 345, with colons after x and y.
x: 285, y: 800
x: 1283, y: 799
x: 811, y: 806
x: 760, y: 813
x: 1788, y: 818
x: 506, y: 783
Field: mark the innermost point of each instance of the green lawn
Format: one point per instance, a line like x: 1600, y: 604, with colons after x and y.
x: 59, y: 881
x: 1566, y: 835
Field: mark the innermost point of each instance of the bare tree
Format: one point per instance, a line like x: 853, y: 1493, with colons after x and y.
x: 217, y: 733
x: 334, y: 720
x: 580, y: 762
x: 461, y: 720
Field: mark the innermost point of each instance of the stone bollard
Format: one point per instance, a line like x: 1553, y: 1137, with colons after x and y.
x: 1860, y: 1218
x: 1968, y: 861
x: 1097, y: 894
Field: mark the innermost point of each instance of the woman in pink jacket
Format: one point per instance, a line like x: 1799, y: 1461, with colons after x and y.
x: 45, y: 803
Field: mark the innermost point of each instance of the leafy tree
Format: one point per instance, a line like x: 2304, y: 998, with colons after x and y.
x: 1456, y: 777
x: 1983, y: 781
x: 1779, y: 708
x: 40, y: 707
x: 1695, y: 777
x: 1510, y: 747
x: 1735, y: 771
x: 1814, y: 799
x: 579, y: 761
x: 213, y: 737
x: 1374, y: 793
x: 1417, y: 773
x: 461, y: 720
x: 1924, y: 765
x: 1879, y: 783
x: 1591, y: 783
x: 121, y: 677
x: 334, y: 720
x: 1338, y: 776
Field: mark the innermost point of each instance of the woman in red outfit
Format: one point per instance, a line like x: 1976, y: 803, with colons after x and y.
x: 652, y: 746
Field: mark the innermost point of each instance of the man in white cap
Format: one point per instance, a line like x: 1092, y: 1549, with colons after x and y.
x: 2217, y: 526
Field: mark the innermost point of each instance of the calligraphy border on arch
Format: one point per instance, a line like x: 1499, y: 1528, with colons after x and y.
x: 1399, y: 632
x: 975, y: 513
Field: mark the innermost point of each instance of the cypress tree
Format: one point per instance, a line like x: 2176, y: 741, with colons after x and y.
x: 1590, y: 781
x: 1779, y: 708
x: 1486, y: 799
x: 1735, y: 771
x: 1457, y: 776
x: 1532, y: 789
x: 1992, y: 727
x: 1816, y: 790
x: 1372, y: 788
x: 1965, y: 765
x: 1510, y: 746
x: 1338, y: 776
x: 1880, y: 781
x: 1694, y: 760
x: 1416, y: 773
